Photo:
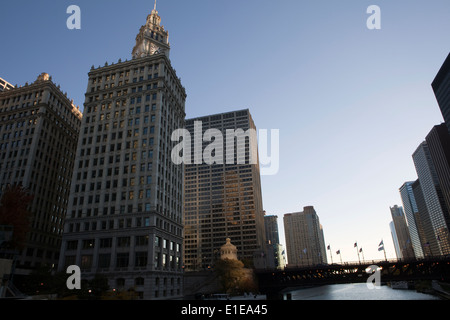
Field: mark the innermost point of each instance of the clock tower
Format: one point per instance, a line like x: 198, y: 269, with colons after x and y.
x: 152, y: 38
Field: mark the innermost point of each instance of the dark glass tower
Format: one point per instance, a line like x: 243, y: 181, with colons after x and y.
x: 441, y: 88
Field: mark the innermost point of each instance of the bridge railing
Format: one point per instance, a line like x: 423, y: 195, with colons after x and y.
x: 362, y: 262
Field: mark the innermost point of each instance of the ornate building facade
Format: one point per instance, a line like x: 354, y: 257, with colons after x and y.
x: 125, y: 211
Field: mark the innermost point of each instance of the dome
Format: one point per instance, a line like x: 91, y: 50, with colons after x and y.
x: 228, y: 251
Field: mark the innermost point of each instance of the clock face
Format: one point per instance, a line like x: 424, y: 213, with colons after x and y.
x: 154, y: 49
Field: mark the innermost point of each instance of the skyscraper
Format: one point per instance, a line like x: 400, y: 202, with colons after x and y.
x: 125, y: 211
x: 438, y: 141
x: 398, y: 253
x: 432, y: 194
x: 275, y: 251
x: 39, y: 128
x: 222, y: 198
x: 271, y: 227
x: 305, y: 243
x: 425, y: 227
x: 412, y: 217
x: 441, y: 88
x: 402, y: 232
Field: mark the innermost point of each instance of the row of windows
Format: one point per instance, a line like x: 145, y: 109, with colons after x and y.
x: 125, y: 73
x: 161, y: 261
x: 123, y: 242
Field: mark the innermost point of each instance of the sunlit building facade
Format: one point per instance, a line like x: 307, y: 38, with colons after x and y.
x: 124, y: 216
x: 222, y: 200
x: 305, y: 243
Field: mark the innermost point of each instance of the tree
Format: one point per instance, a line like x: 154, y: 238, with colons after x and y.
x: 14, y: 212
x: 234, y: 278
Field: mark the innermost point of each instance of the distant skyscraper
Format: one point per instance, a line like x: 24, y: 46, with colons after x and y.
x: 222, y: 200
x: 398, y: 252
x: 275, y: 251
x: 271, y: 227
x: 441, y: 88
x: 438, y: 141
x: 305, y: 242
x: 125, y: 211
x: 425, y: 227
x: 402, y: 232
x: 412, y: 217
x: 39, y: 128
x: 432, y: 194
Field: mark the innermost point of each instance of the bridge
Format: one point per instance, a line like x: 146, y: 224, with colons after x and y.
x: 273, y: 282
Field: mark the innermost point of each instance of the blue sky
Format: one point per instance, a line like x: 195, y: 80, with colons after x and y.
x: 352, y: 104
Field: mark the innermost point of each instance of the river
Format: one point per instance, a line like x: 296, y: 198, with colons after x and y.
x: 357, y: 291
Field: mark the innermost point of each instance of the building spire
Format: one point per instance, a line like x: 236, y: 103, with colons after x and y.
x: 152, y: 38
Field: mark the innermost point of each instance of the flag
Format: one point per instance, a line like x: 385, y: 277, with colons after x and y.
x: 328, y: 248
x: 381, y: 246
x: 355, y: 245
x: 360, y: 250
x: 338, y: 252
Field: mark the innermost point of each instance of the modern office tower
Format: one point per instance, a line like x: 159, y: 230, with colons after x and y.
x: 39, y: 128
x: 441, y: 88
x: 271, y: 227
x: 398, y: 252
x: 275, y: 250
x: 124, y: 218
x: 402, y: 232
x: 4, y: 85
x: 412, y: 216
x: 432, y: 194
x: 426, y: 232
x: 438, y: 141
x: 222, y: 197
x: 305, y: 241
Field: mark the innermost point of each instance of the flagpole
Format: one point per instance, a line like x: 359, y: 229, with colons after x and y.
x: 331, y: 253
x: 340, y: 255
x: 381, y: 247
x: 357, y: 251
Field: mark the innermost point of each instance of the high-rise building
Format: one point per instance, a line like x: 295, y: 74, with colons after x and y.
x: 425, y: 227
x: 305, y: 243
x: 433, y: 198
x: 124, y: 218
x: 441, y: 88
x: 438, y: 141
x: 271, y: 227
x: 275, y: 251
x: 412, y: 217
x: 398, y: 253
x: 222, y: 197
x: 403, y: 233
x: 39, y: 128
